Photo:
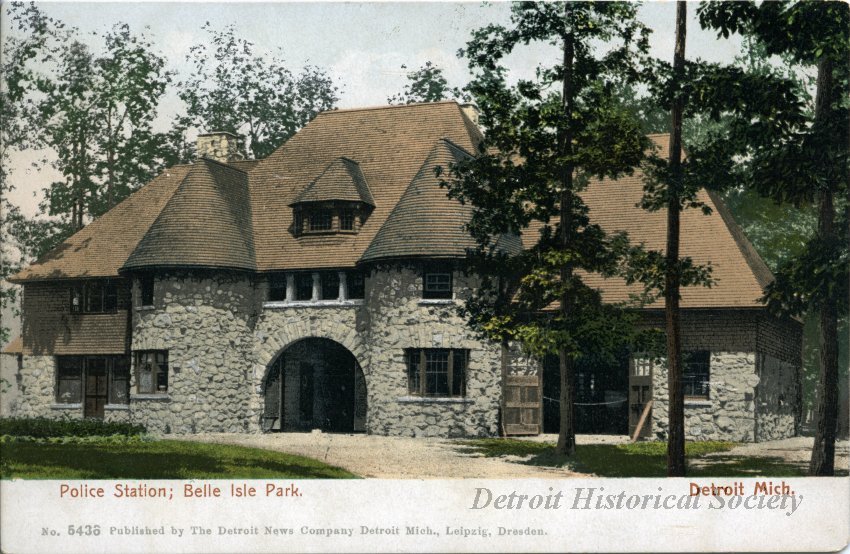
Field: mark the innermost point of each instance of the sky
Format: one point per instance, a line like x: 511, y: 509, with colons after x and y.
x: 362, y: 45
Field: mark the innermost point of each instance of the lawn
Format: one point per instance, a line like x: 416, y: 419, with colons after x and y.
x: 641, y: 459
x: 154, y: 459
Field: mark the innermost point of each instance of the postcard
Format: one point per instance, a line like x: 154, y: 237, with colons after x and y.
x: 411, y: 277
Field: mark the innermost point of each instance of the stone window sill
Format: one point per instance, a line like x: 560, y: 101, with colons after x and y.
x: 160, y: 397
x: 698, y: 403
x: 433, y: 400
x: 116, y: 407
x: 66, y: 406
x: 436, y: 301
x: 145, y: 308
x: 311, y: 304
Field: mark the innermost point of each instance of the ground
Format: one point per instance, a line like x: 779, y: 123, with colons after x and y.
x: 426, y: 458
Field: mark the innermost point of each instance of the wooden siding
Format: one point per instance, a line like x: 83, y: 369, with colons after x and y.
x: 49, y: 327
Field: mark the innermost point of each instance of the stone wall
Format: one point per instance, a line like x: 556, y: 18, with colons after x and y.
x: 400, y: 319
x: 775, y: 399
x: 38, y: 391
x: 729, y: 411
x: 204, y: 324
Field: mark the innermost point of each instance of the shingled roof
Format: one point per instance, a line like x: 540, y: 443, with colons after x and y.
x: 206, y: 223
x: 240, y: 215
x: 101, y: 247
x: 739, y: 272
x: 341, y: 180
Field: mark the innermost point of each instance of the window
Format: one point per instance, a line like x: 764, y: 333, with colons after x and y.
x: 277, y: 288
x: 436, y: 371
x: 96, y: 371
x: 119, y: 382
x: 146, y: 286
x: 152, y: 371
x: 321, y: 220
x: 695, y: 379
x: 330, y: 285
x: 304, y: 286
x: 69, y: 379
x: 346, y: 220
x: 437, y: 285
x: 356, y: 285
x: 94, y: 297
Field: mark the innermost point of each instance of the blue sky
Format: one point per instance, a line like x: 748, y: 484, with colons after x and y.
x: 363, y: 45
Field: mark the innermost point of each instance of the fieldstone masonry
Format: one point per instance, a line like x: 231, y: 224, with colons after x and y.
x: 222, y: 338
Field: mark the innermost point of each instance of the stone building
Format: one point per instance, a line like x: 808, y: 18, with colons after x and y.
x: 317, y: 289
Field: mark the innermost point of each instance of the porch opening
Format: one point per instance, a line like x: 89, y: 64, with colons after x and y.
x: 315, y: 383
x: 602, y: 387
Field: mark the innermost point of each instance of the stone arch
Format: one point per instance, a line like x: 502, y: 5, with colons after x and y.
x: 314, y: 383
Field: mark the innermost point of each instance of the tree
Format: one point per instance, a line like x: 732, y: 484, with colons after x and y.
x: 545, y: 140
x: 672, y: 278
x: 235, y: 90
x: 426, y: 84
x: 805, y: 160
x: 19, y: 126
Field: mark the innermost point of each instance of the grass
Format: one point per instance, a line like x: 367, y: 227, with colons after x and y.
x: 158, y: 459
x: 641, y: 459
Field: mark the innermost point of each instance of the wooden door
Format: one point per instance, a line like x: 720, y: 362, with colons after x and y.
x: 96, y: 387
x: 640, y: 394
x: 523, y: 405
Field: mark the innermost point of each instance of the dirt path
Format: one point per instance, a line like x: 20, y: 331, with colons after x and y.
x: 389, y: 457
x: 796, y: 451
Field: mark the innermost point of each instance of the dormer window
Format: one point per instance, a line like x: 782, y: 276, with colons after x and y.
x: 337, y: 201
x: 321, y: 220
x: 346, y: 220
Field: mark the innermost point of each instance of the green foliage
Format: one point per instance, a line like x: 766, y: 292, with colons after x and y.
x: 516, y: 182
x: 167, y: 459
x: 426, y: 84
x: 233, y: 89
x: 40, y: 427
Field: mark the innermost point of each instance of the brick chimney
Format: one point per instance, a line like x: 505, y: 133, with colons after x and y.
x: 220, y: 146
x: 471, y: 111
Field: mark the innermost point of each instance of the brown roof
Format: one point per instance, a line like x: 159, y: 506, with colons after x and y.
x: 389, y: 144
x: 215, y: 215
x: 206, y: 223
x: 739, y: 272
x: 101, y: 247
x: 425, y: 222
x: 341, y: 180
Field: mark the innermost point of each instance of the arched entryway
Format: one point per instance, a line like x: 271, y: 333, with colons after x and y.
x: 315, y: 383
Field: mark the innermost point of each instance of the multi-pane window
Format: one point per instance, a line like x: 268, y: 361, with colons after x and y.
x: 92, y: 376
x: 69, y: 379
x: 356, y: 284
x: 94, y: 297
x: 696, y: 374
x: 146, y: 286
x: 346, y: 220
x: 303, y: 286
x: 152, y: 371
x: 321, y: 220
x: 330, y: 285
x: 437, y: 285
x: 436, y: 371
x: 119, y: 383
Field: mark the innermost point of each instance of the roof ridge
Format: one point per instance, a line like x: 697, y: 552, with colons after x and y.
x: 385, y: 107
x: 223, y: 164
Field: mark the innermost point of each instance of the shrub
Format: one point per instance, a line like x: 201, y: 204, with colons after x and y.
x: 42, y: 427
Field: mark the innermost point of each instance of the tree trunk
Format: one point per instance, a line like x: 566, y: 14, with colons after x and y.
x: 110, y: 162
x: 672, y: 278
x: 823, y: 451
x: 566, y: 432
